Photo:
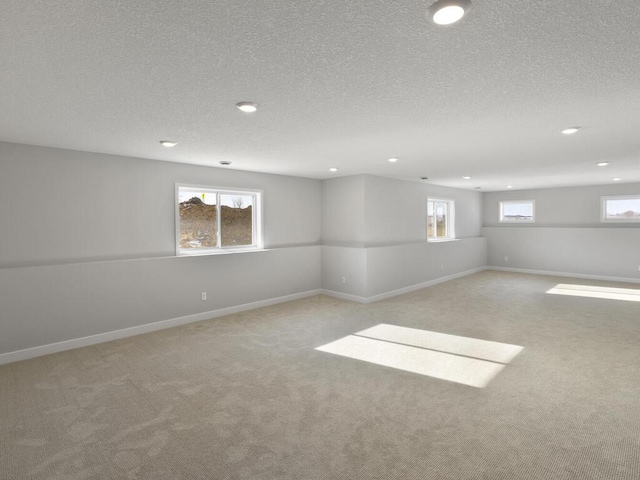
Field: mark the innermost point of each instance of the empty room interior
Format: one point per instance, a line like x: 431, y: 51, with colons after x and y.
x: 319, y: 240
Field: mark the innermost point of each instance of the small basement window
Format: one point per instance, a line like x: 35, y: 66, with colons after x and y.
x: 440, y: 219
x: 621, y: 208
x: 210, y: 220
x: 518, y: 211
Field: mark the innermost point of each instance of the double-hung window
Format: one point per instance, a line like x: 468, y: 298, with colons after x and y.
x: 621, y: 208
x: 210, y: 220
x: 440, y: 219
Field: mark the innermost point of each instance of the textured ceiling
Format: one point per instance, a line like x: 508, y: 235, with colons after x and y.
x: 344, y: 83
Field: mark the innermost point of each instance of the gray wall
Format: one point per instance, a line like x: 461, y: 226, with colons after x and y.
x: 567, y: 236
x: 87, y: 244
x: 383, y: 246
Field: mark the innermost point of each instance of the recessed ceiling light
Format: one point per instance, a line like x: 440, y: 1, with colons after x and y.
x: 247, y: 107
x: 393, y: 160
x: 446, y: 12
x: 333, y: 169
x: 616, y: 179
x: 224, y: 162
x: 478, y: 188
x: 424, y: 178
x: 509, y: 186
x: 167, y: 143
x: 603, y: 164
x: 467, y: 177
x: 570, y: 131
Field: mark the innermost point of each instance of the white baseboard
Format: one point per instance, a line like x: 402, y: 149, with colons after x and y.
x: 344, y: 296
x: 400, y: 291
x: 565, y: 274
x: 149, y: 327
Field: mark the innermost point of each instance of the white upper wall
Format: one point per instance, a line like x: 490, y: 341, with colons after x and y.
x: 570, y: 206
x: 62, y: 205
x: 343, y: 211
x: 396, y: 210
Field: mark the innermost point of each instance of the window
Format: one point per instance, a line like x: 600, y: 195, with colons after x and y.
x: 518, y: 211
x: 440, y: 219
x: 215, y: 219
x: 621, y: 208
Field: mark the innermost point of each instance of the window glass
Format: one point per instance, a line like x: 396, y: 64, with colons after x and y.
x: 621, y: 209
x: 517, y: 211
x: 440, y: 220
x: 209, y: 219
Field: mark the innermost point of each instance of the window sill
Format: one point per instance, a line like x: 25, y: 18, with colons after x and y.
x: 442, y: 240
x: 202, y: 253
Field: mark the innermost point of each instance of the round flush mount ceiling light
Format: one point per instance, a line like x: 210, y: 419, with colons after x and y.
x: 333, y: 169
x: 467, y: 177
x: 571, y: 130
x: 247, y: 107
x: 224, y: 162
x: 509, y: 186
x: 393, y: 160
x: 168, y: 143
x: 616, y: 179
x: 603, y: 164
x: 446, y: 12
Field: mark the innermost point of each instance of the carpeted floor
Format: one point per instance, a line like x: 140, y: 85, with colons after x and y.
x: 248, y: 396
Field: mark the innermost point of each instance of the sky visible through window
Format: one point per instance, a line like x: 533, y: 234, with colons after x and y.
x: 616, y: 207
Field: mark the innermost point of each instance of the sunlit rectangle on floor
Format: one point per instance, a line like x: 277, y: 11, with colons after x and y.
x: 469, y: 347
x: 454, y: 368
x: 609, y: 293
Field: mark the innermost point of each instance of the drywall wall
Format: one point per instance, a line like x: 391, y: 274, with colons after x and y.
x: 392, y: 253
x: 343, y: 211
x: 395, y: 211
x: 567, y: 236
x: 560, y: 207
x: 87, y: 245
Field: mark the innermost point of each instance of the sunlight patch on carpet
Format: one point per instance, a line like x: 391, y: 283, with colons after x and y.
x: 609, y: 293
x: 464, y: 360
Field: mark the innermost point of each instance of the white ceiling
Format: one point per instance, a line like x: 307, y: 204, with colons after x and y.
x: 344, y: 83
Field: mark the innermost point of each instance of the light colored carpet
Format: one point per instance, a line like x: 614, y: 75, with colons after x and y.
x: 248, y: 396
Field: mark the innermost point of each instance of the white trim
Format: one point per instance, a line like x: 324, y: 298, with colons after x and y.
x: 565, y: 274
x: 149, y: 327
x: 420, y: 286
x: 257, y: 241
x: 501, y: 204
x: 400, y: 291
x: 603, y: 209
x: 344, y: 296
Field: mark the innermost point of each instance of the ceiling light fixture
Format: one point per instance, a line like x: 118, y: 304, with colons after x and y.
x: 224, y: 162
x: 167, y: 143
x: 467, y: 177
x: 616, y: 179
x: 509, y: 186
x: 446, y: 12
x: 570, y: 131
x: 333, y: 169
x: 603, y: 164
x: 247, y: 107
x: 393, y: 160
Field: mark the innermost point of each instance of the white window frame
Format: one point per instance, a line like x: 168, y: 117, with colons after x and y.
x: 256, y: 219
x: 603, y: 209
x: 502, y: 203
x: 451, y: 219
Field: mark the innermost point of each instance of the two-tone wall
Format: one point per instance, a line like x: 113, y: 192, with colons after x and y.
x: 567, y: 236
x: 375, y: 240
x: 87, y: 248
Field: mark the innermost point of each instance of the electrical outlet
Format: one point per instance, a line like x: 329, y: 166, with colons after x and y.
x: 506, y: 259
x: 343, y: 279
x: 442, y: 267
x: 204, y: 296
x: 639, y: 268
